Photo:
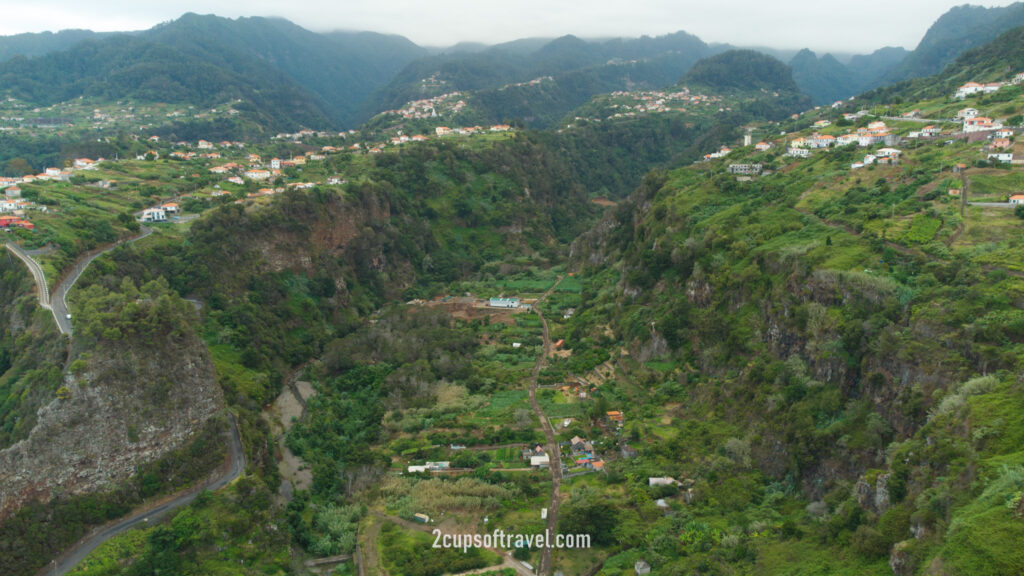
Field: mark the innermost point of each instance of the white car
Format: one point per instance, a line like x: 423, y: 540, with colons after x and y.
x: 69, y: 316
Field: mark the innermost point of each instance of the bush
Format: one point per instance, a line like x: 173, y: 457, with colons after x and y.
x: 869, y: 542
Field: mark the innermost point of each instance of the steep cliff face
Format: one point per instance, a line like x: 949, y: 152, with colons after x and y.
x: 127, y: 401
x: 32, y: 354
x: 747, y: 294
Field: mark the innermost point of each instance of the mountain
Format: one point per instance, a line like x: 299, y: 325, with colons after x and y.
x: 825, y: 79
x: 872, y: 68
x: 743, y: 70
x: 293, y: 76
x: 341, y: 69
x: 996, y: 61
x: 31, y: 44
x: 129, y: 67
x: 960, y: 29
x: 579, y: 68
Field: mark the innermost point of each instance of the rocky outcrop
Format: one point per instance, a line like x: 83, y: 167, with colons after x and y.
x: 132, y: 404
x: 875, y: 498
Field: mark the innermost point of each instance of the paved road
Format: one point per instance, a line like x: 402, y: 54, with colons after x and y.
x: 60, y: 294
x: 70, y: 558
x: 992, y: 204
x: 554, y: 452
x: 42, y: 289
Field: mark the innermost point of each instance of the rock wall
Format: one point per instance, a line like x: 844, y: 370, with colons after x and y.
x: 131, y: 405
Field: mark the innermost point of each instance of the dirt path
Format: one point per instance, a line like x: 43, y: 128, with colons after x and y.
x: 554, y: 452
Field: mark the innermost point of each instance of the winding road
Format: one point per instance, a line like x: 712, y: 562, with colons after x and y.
x: 42, y: 289
x: 59, y: 300
x: 70, y: 558
x: 57, y: 303
x: 554, y: 452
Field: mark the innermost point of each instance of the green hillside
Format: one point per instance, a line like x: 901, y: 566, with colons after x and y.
x: 682, y: 322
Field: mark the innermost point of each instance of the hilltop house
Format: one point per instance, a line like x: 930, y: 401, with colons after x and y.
x: 1017, y: 199
x: 972, y: 88
x: 819, y: 141
x: 153, y: 215
x: 763, y: 146
x: 980, y: 124
x: 257, y: 174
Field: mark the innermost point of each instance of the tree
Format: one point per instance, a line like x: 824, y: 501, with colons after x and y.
x: 18, y: 167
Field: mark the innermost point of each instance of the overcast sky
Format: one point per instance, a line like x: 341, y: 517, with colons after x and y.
x: 822, y: 25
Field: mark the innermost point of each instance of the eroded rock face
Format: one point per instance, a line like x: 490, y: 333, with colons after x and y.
x: 899, y: 559
x: 132, y: 405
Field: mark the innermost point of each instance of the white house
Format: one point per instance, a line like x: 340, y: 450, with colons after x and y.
x: 967, y: 113
x: 1004, y: 157
x: 503, y: 303
x: 819, y: 141
x: 969, y: 89
x: 980, y: 124
x: 542, y: 461
x: 275, y: 163
x: 798, y: 153
x: 257, y: 174
x: 1017, y: 199
x: 846, y: 140
x: 154, y: 215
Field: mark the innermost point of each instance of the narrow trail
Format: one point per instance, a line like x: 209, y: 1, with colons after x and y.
x: 554, y: 452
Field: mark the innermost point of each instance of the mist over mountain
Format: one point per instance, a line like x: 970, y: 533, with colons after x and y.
x: 288, y: 76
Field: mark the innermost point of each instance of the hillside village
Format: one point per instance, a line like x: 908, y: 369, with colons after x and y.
x: 988, y: 141
x: 763, y: 360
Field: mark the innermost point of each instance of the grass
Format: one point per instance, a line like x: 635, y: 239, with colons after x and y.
x: 923, y: 229
x: 110, y: 556
x: 806, y: 557
x: 411, y: 553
